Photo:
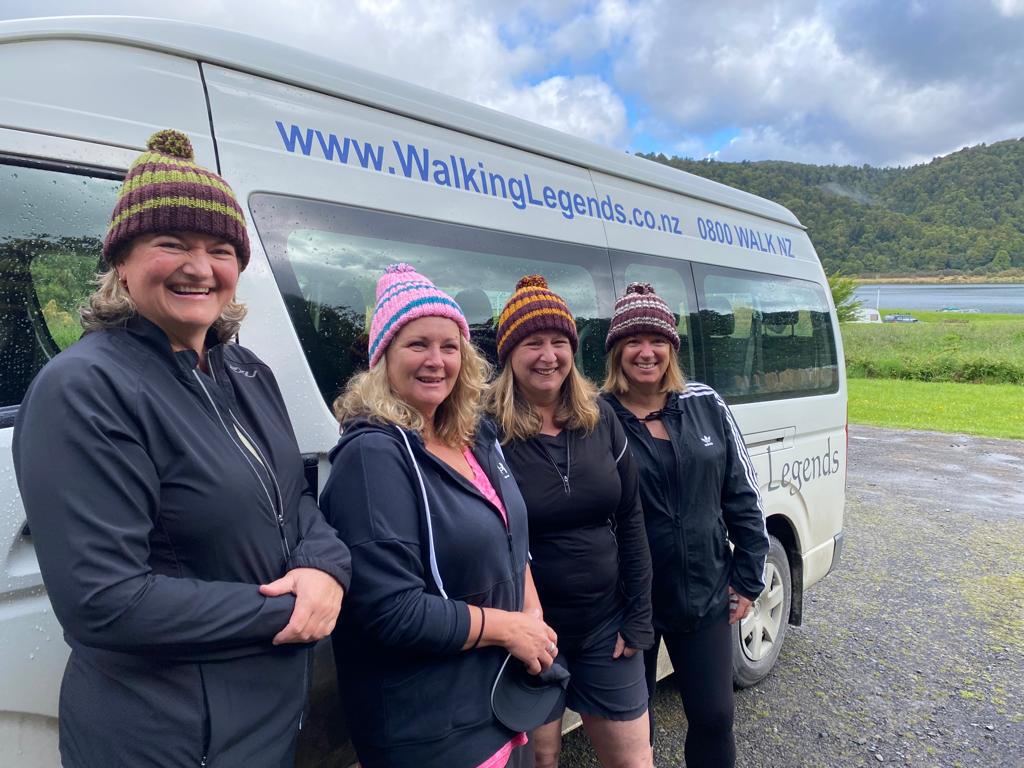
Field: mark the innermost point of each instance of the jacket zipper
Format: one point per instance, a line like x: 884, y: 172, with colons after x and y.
x: 645, y: 435
x: 207, y: 726
x: 568, y: 463
x: 275, y: 509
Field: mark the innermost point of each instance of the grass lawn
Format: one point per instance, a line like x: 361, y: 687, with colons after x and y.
x: 943, y: 346
x: 991, y: 410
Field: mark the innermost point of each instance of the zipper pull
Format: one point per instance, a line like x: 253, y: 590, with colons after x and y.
x: 565, y: 484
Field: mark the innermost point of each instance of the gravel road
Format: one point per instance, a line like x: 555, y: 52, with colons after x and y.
x: 912, y: 653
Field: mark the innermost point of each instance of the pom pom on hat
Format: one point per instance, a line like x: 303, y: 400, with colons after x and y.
x: 531, y: 281
x: 403, y: 295
x: 173, y: 143
x: 166, y: 191
x: 641, y: 310
x: 533, y: 307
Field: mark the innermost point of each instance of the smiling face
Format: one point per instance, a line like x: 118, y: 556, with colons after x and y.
x: 645, y: 359
x: 181, y: 282
x: 540, y: 364
x: 423, y: 363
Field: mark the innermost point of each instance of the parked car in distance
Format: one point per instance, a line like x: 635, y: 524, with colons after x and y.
x: 867, y: 315
x: 899, y: 319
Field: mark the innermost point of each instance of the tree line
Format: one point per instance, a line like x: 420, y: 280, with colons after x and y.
x: 960, y: 214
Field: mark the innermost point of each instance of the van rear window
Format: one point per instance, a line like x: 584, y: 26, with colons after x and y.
x: 765, y: 337
x: 327, y: 258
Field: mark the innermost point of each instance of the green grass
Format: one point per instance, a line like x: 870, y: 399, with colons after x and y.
x: 990, y: 410
x: 977, y: 348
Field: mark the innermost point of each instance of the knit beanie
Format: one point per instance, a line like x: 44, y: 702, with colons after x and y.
x: 403, y: 294
x: 641, y: 310
x: 165, y: 191
x: 533, y: 307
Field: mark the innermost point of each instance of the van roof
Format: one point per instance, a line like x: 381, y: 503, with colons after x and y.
x: 301, y: 68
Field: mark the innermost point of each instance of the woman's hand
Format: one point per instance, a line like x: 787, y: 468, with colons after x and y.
x: 318, y: 598
x: 531, y: 641
x: 739, y: 606
x: 522, y: 634
x: 621, y: 649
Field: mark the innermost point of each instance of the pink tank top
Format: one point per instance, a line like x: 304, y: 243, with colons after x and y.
x: 500, y: 758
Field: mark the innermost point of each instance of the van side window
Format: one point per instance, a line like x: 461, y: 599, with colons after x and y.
x: 52, y: 224
x: 327, y: 258
x: 765, y: 337
x: 672, y: 281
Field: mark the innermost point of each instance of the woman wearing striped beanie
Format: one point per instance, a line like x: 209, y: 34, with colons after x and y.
x: 419, y: 486
x: 189, y: 566
x: 696, y: 482
x: 568, y: 453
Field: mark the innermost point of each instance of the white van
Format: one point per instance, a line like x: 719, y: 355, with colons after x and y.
x: 344, y: 172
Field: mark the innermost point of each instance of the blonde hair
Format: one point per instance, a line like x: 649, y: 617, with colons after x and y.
x: 617, y: 382
x: 577, y: 408
x: 111, y: 306
x: 369, y: 395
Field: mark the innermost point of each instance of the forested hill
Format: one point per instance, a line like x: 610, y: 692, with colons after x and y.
x: 959, y: 214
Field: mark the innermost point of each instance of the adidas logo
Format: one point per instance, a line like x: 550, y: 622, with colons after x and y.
x: 706, y: 439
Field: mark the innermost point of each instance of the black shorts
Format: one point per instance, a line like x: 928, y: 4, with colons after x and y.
x: 600, y: 686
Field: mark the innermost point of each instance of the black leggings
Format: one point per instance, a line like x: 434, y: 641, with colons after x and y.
x: 703, y: 673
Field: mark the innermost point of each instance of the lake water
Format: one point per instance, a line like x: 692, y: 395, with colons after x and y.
x: 983, y: 297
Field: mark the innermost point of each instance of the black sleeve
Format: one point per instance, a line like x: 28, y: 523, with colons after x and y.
x: 742, y: 510
x: 91, y: 494
x: 372, y: 501
x: 635, y: 570
x: 319, y: 545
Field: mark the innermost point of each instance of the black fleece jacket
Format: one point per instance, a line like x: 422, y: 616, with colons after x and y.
x: 718, y: 501
x: 426, y: 545
x: 154, y: 528
x: 590, y: 560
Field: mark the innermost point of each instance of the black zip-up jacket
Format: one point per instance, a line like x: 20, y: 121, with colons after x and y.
x: 425, y: 545
x: 718, y: 501
x: 154, y: 527
x: 590, y: 560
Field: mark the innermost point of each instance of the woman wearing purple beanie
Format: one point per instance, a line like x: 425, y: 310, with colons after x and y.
x: 441, y: 592
x: 699, y: 492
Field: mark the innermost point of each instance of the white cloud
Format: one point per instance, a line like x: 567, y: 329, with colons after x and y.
x: 1009, y: 8
x: 812, y: 80
x: 582, y: 106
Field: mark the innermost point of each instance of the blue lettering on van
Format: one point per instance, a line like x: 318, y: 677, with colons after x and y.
x: 458, y: 172
x: 716, y: 231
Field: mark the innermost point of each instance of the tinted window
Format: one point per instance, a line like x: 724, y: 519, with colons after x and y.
x: 52, y: 224
x: 765, y: 337
x: 327, y: 259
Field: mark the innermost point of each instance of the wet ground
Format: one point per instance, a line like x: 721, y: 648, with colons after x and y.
x: 912, y: 653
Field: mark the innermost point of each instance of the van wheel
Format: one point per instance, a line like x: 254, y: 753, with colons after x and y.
x: 757, y: 639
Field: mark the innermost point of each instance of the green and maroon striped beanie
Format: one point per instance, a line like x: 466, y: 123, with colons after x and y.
x: 641, y: 310
x: 532, y: 308
x: 165, y: 191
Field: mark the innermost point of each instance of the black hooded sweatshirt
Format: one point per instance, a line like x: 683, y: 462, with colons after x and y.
x: 716, y: 500
x: 425, y: 545
x: 154, y: 526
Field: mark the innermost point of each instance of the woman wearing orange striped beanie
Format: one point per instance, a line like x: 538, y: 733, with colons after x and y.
x: 590, y: 563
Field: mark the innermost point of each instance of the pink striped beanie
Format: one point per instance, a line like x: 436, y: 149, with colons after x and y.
x: 403, y: 294
x: 641, y: 310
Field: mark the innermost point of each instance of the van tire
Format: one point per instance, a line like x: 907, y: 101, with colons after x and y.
x: 758, y: 638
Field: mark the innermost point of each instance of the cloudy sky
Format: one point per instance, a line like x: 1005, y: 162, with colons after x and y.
x: 884, y: 82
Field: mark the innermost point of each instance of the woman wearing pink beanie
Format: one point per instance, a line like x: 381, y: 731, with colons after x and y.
x: 437, y: 530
